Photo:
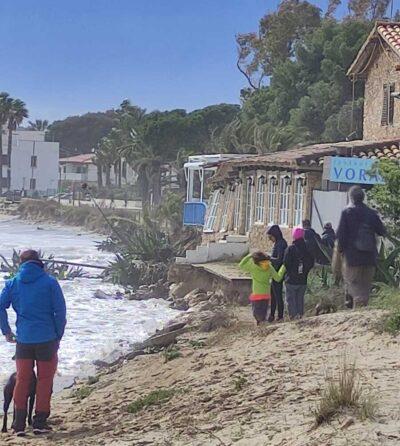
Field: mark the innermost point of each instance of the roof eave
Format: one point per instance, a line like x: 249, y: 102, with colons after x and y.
x: 352, y: 71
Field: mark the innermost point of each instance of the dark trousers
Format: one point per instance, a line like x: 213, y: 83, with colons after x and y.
x: 45, y: 357
x: 260, y: 309
x: 295, y: 299
x: 277, y: 299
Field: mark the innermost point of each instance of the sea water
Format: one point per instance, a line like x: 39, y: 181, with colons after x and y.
x: 96, y: 328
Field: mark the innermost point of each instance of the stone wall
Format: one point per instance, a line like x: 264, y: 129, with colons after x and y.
x: 382, y: 71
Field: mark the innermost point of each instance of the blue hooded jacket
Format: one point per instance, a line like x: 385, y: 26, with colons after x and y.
x: 39, y: 303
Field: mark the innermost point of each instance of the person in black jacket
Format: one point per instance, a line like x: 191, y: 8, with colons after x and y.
x: 298, y: 262
x: 328, y: 236
x: 275, y: 235
x: 313, y: 241
x: 358, y: 228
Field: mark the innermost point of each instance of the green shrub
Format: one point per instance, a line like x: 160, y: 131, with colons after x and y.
x: 197, y: 344
x: 92, y: 380
x: 391, y: 322
x: 82, y: 392
x: 387, y: 298
x: 157, y: 397
x: 171, y: 353
x: 239, y: 383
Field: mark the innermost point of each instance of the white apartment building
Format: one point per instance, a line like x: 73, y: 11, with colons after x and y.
x: 34, y: 163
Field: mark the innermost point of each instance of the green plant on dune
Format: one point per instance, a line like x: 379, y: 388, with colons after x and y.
x: 343, y: 391
x: 156, y: 397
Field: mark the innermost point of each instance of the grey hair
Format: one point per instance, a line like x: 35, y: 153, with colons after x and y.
x: 357, y: 194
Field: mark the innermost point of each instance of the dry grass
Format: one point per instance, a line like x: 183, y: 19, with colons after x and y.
x: 342, y: 392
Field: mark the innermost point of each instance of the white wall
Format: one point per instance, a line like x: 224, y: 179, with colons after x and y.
x: 91, y: 174
x: 46, y: 170
x: 329, y: 205
x: 19, y: 135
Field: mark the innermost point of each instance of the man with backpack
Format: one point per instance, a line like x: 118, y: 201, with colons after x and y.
x: 358, y: 228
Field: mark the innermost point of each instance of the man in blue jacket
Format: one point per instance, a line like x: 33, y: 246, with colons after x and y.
x: 39, y: 304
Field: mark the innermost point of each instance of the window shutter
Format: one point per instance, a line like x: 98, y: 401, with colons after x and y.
x: 391, y: 103
x: 385, y: 105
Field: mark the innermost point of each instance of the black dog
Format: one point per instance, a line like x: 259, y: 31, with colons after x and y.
x: 8, y: 396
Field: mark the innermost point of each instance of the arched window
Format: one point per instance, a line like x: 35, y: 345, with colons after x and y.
x: 238, y: 206
x: 249, y: 203
x: 260, y: 200
x: 298, y: 201
x: 272, y: 189
x: 285, y: 201
x: 225, y: 209
x: 212, y: 211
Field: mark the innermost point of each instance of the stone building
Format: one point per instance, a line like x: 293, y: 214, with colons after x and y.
x: 378, y: 66
x: 286, y: 187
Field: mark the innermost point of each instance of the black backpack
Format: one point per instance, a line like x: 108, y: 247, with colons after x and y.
x: 366, y: 239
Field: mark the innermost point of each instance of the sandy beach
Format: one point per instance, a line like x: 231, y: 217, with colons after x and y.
x: 244, y: 386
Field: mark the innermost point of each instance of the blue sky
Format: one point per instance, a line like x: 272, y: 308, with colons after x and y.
x: 68, y: 57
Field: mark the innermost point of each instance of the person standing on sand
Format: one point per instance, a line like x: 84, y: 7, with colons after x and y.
x: 358, y: 228
x: 261, y: 271
x: 298, y: 262
x: 274, y: 233
x: 313, y: 241
x: 39, y: 304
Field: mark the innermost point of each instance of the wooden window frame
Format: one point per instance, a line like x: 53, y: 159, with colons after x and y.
x: 272, y: 192
x: 299, y: 198
x: 387, y: 105
x: 212, y: 211
x: 260, y: 200
x: 284, y: 200
x: 249, y: 201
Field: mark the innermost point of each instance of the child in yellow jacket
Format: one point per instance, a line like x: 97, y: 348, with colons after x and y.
x: 262, y: 272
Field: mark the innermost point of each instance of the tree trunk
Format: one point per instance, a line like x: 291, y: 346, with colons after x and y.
x: 108, y: 175
x: 120, y: 173
x: 99, y: 176
x: 143, y: 183
x: 9, y: 150
x: 156, y: 185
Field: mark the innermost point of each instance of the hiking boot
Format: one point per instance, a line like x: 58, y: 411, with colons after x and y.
x: 271, y: 319
x: 20, y: 433
x: 19, y: 422
x: 42, y: 429
x: 40, y: 425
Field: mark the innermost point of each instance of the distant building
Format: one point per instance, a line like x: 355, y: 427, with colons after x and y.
x: 34, y: 164
x: 82, y: 169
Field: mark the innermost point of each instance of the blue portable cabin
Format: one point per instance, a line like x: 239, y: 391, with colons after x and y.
x: 198, y: 169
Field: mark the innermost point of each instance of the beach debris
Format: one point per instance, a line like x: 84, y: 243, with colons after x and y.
x: 100, y: 294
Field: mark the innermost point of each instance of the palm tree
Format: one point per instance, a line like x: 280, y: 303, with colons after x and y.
x: 16, y: 115
x: 147, y: 163
x: 39, y: 124
x: 5, y: 106
x: 107, y: 156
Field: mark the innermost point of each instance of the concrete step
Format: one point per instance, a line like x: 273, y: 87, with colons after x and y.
x: 235, y: 238
x: 181, y: 260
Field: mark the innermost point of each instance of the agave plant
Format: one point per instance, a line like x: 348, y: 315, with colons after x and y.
x: 388, y: 266
x: 59, y: 271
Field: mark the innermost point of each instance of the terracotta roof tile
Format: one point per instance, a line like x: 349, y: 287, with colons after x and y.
x: 390, y: 32
x: 84, y: 158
